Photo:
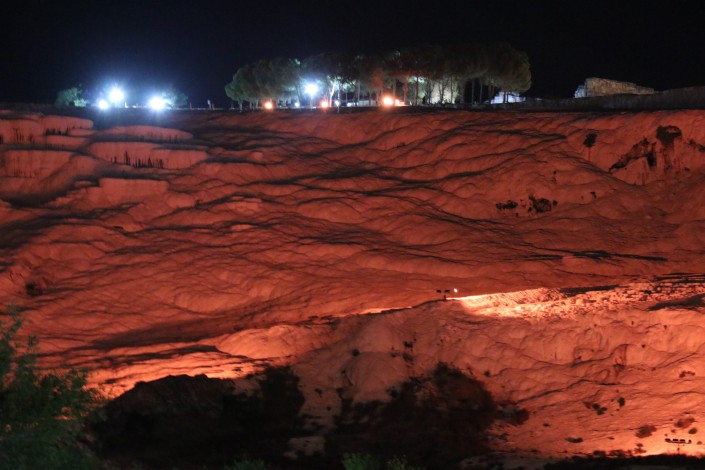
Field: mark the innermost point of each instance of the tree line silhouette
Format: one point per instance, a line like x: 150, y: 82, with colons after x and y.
x: 426, y: 74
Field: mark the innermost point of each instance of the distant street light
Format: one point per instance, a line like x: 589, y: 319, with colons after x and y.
x: 103, y: 104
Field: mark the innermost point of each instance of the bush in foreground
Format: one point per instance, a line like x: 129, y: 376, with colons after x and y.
x: 246, y: 463
x: 362, y: 461
x: 41, y: 414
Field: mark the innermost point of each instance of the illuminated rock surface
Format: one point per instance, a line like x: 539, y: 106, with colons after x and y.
x: 220, y: 243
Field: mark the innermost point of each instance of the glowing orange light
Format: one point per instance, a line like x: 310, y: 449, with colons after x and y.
x: 268, y: 105
x: 388, y: 101
x: 324, y: 104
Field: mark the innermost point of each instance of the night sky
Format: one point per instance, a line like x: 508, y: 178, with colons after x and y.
x: 196, y: 46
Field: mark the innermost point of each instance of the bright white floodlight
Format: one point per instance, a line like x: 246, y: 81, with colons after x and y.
x: 103, y: 104
x: 116, y: 96
x: 157, y: 103
x: 311, y: 89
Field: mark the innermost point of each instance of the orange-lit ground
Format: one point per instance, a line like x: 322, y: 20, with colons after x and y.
x: 220, y: 243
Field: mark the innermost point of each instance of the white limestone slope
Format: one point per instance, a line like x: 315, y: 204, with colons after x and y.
x: 219, y: 243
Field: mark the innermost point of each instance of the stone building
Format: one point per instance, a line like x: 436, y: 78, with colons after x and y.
x: 603, y: 87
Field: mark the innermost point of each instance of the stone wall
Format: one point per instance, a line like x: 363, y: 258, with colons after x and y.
x: 681, y: 98
x: 603, y: 87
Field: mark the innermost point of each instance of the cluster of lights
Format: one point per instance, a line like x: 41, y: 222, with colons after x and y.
x: 312, y: 90
x: 115, y: 96
x: 116, y: 99
x: 389, y: 101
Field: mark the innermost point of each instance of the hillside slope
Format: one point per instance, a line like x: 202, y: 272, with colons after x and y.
x: 220, y: 243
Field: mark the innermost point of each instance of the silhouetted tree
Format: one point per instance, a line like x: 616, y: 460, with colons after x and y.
x: 175, y: 98
x: 243, y: 87
x: 275, y: 79
x: 439, y: 74
x: 331, y: 70
x: 71, y: 97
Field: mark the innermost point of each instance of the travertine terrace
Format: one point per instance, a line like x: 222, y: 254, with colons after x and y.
x: 569, y: 248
